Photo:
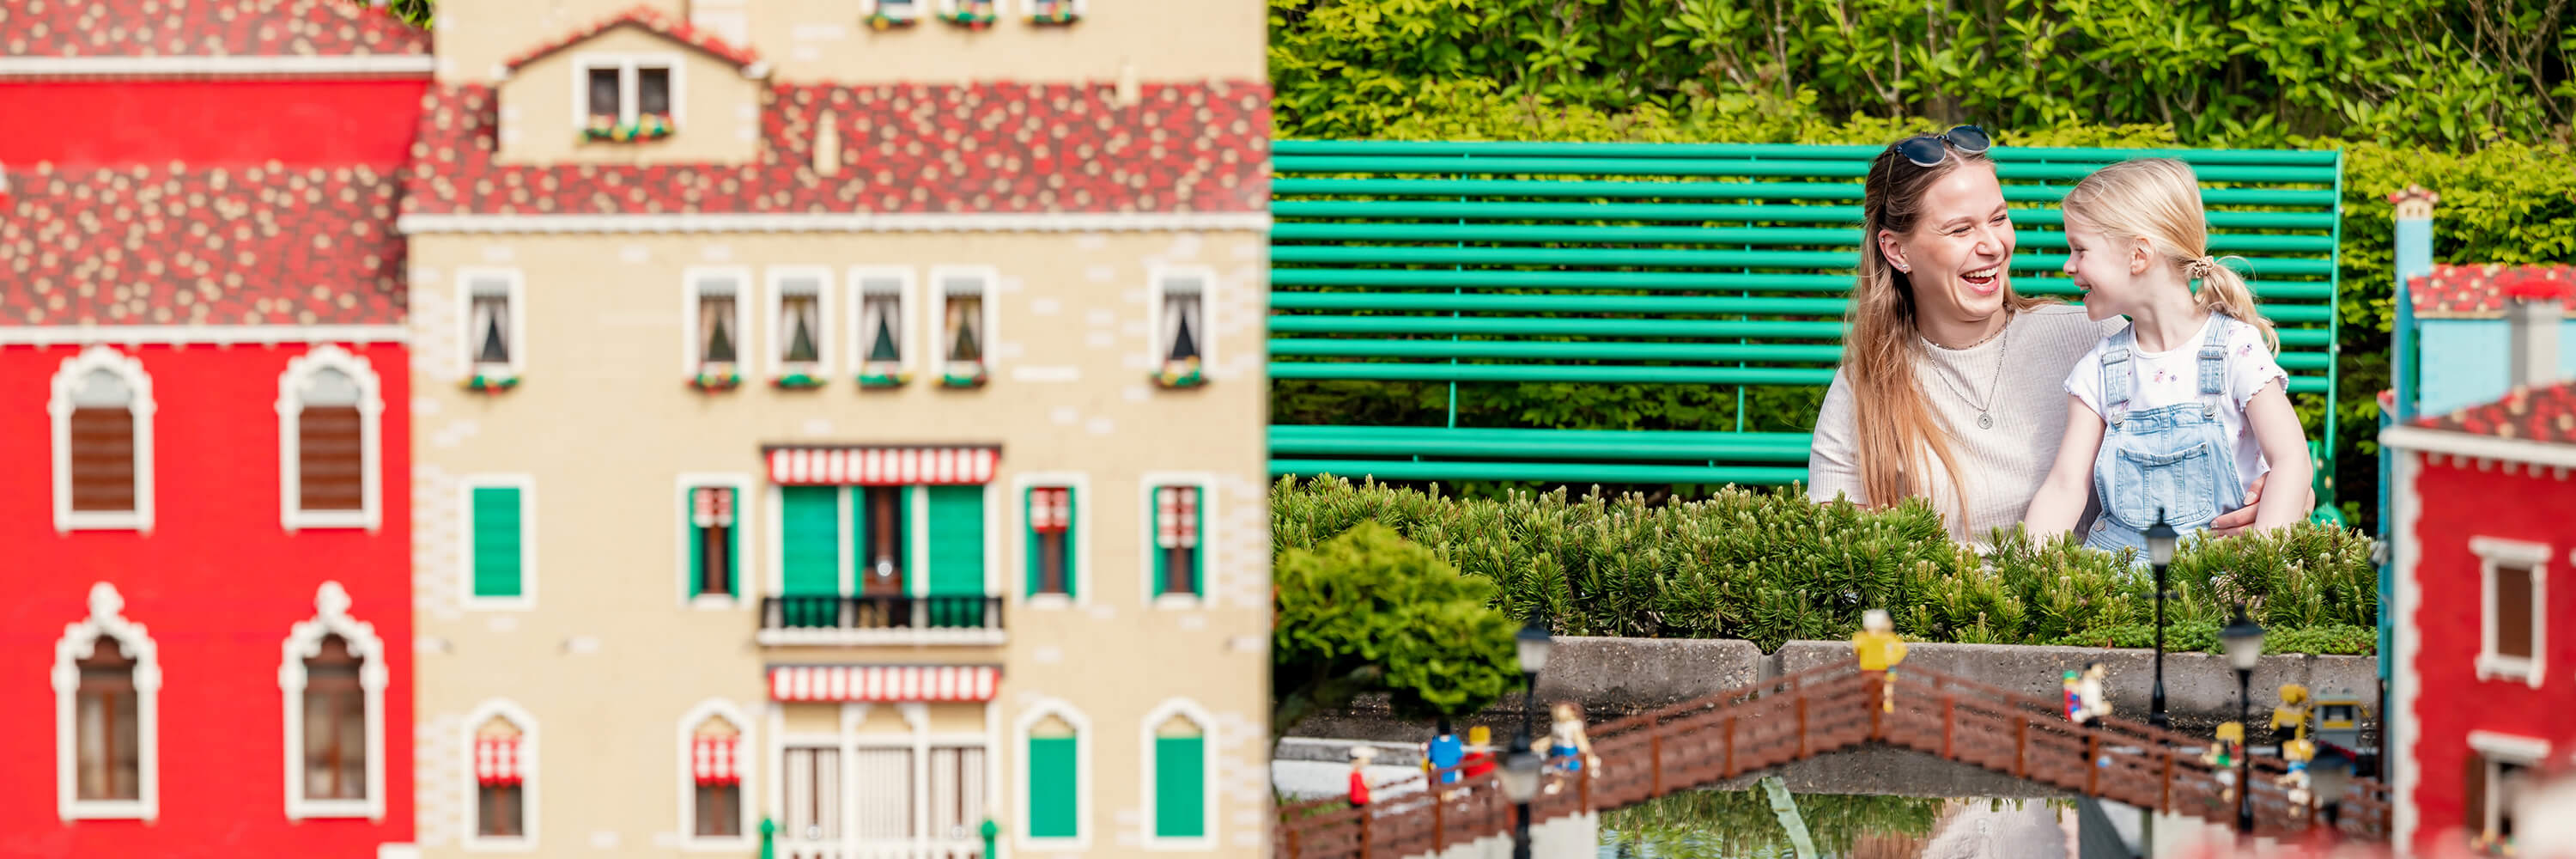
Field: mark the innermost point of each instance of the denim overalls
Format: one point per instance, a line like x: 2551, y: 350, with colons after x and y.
x: 2177, y: 460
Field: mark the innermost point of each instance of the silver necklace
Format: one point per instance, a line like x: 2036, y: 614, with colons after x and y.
x: 1985, y: 417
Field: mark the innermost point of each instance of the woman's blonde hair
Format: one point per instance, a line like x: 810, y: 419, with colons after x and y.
x: 1894, y: 422
x: 2157, y: 200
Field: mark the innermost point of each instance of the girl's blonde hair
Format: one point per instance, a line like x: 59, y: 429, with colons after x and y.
x: 1894, y: 423
x: 2157, y: 200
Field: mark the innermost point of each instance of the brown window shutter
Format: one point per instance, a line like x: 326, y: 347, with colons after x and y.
x: 2513, y: 611
x: 330, y: 463
x: 102, y: 457
x: 2473, y: 801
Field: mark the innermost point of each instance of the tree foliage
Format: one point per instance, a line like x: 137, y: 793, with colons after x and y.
x: 1369, y: 611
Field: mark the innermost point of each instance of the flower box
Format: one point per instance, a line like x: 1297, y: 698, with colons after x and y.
x: 716, y: 379
x: 970, y: 14
x: 964, y: 376
x: 651, y: 126
x: 884, y: 377
x: 1053, y: 12
x: 491, y: 382
x: 1180, y: 374
x: 798, y: 381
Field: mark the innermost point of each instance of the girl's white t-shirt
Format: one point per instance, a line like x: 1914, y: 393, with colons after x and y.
x: 2173, y: 376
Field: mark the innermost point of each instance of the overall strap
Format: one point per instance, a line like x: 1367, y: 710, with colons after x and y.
x: 2213, y: 363
x: 2117, y: 376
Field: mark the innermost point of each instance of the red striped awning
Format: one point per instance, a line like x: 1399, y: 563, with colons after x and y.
x: 883, y: 682
x: 712, y: 506
x: 716, y: 760
x: 1177, y: 516
x: 881, y: 466
x: 497, y: 761
x: 1050, y: 510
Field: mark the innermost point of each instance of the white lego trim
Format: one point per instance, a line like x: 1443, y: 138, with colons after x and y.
x: 517, y: 292
x: 2481, y: 447
x: 2512, y: 748
x: 190, y: 66
x: 987, y: 303
x: 290, y: 440
x: 743, y: 502
x: 208, y: 335
x: 139, y: 385
x: 2494, y: 553
x: 744, y: 758
x: 527, y: 486
x: 1068, y: 222
x: 775, y: 300
x: 907, y: 322
x: 519, y: 718
x: 629, y: 92
x: 80, y: 640
x: 1145, y: 775
x: 692, y: 281
x: 331, y: 604
x: 2398, y: 755
x: 1083, y: 795
x: 1078, y: 547
x: 1147, y: 538
x: 1157, y: 277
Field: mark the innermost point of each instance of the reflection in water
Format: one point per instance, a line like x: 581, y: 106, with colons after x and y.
x: 1742, y: 825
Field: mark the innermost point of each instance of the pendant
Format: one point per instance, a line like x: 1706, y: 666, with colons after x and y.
x: 1985, y: 421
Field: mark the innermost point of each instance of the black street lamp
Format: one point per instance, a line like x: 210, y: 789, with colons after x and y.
x: 2244, y: 639
x: 2331, y: 774
x: 1533, y: 643
x: 2160, y: 552
x: 1520, y: 784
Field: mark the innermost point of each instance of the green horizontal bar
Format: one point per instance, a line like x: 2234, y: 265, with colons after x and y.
x: 2304, y: 337
x: 1557, y: 350
x: 1580, y: 437
x: 1550, y: 373
x: 1584, y: 213
x: 1802, y: 167
x: 2310, y: 384
x: 1638, y: 445
x: 2303, y: 360
x: 1863, y: 152
x: 1552, y: 472
x: 2219, y: 243
x: 2270, y: 294
x: 1704, y: 190
x: 1489, y: 279
x: 2222, y: 243
x: 1518, y: 326
x: 2261, y: 266
x: 1420, y: 255
x: 1477, y: 303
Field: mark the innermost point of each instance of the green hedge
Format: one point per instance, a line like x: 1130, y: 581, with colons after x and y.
x: 1729, y: 824
x: 1770, y: 567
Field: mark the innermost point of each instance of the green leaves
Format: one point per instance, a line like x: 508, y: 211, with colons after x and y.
x: 1370, y: 611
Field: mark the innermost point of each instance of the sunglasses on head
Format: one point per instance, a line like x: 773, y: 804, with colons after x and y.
x: 1928, y: 150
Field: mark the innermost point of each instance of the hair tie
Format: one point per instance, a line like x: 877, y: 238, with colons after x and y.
x: 2200, y: 268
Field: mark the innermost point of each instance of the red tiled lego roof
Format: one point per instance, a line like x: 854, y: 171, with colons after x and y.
x: 2479, y: 291
x: 239, y: 28
x: 172, y: 245
x: 652, y: 21
x: 907, y: 148
x: 2544, y: 413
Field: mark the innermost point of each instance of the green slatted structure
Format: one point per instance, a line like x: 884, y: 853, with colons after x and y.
x: 1463, y: 264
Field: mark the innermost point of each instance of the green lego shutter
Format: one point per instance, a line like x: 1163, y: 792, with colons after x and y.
x: 956, y: 553
x: 733, y: 546
x: 1154, y: 544
x: 1055, y: 804
x: 1030, y: 540
x: 497, y: 541
x: 690, y: 545
x: 811, y: 537
x: 1180, y: 787
x: 1198, y: 534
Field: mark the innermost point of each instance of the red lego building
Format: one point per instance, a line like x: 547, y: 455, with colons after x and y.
x: 204, y: 429
x: 2485, y: 608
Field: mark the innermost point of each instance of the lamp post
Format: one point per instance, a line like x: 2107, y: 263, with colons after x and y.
x: 2331, y: 775
x: 1533, y: 643
x: 2160, y: 552
x: 2244, y: 639
x: 1520, y: 783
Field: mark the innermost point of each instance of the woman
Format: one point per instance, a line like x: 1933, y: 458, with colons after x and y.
x: 1952, y: 385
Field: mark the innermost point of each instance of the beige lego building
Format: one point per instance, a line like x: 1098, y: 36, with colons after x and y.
x: 840, y: 422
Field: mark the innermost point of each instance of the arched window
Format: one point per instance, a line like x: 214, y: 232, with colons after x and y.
x: 102, y: 416
x: 501, y: 749
x: 1180, y: 785
x: 1054, y: 784
x: 107, y: 681
x: 330, y: 443
x: 334, y: 679
x: 716, y: 752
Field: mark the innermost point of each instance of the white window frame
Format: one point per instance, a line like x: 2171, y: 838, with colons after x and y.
x: 1083, y: 793
x: 516, y: 286
x: 472, y: 838
x: 1158, y: 277
x: 914, y: 9
x: 991, y: 277
x: 1077, y: 548
x: 141, y: 406
x: 776, y: 302
x: 331, y: 616
x: 744, y: 500
x: 907, y: 317
x: 1001, y: 8
x: 1081, y: 8
x: 1145, y: 774
x: 1147, y: 538
x: 2493, y: 553
x: 2499, y: 748
x: 692, y: 295
x: 527, y: 486
x: 290, y: 441
x: 80, y: 639
x: 627, y: 91
x: 744, y: 760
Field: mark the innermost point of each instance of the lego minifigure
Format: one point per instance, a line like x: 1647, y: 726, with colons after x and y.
x: 2295, y: 782
x: 1570, y: 748
x: 2225, y: 749
x: 1360, y: 757
x: 1442, y: 754
x: 2086, y: 703
x: 1479, y: 759
x: 2292, y: 715
x: 1879, y: 650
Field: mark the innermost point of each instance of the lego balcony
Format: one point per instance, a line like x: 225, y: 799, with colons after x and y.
x: 863, y: 620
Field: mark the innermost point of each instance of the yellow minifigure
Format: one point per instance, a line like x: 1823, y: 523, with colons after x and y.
x: 2292, y: 715
x: 2295, y: 782
x: 1879, y: 650
x: 2225, y: 750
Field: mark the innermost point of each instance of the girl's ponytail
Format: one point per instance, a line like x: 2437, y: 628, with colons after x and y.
x: 2225, y: 291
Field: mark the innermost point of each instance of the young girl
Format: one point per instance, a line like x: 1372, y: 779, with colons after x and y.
x: 2173, y: 417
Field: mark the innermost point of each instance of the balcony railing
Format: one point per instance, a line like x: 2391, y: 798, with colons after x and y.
x: 791, y: 620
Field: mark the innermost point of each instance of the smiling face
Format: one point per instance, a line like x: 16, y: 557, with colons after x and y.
x: 2105, y: 269
x: 1955, y: 255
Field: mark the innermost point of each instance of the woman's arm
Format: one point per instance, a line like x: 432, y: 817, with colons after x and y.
x: 1833, y: 460
x: 2060, y: 500
x: 2285, y: 446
